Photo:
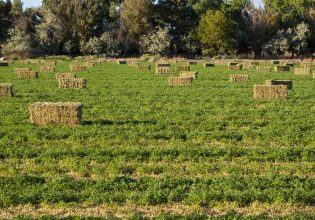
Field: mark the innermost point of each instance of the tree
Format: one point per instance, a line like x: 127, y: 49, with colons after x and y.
x: 215, y: 32
x: 156, y: 42
x: 5, y: 19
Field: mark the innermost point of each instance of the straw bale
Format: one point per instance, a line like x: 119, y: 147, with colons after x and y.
x: 25, y: 73
x: 239, y: 78
x: 180, y: 81
x: 270, y: 92
x: 65, y: 75
x: 304, y: 71
x: 192, y: 63
x: 281, y: 68
x: 275, y: 62
x: 208, y: 64
x: 163, y: 65
x: 308, y: 65
x: 290, y: 64
x: 287, y: 83
x: 189, y: 74
x: 71, y: 83
x: 77, y: 67
x: 144, y: 67
x: 4, y: 64
x: 6, y: 89
x: 313, y: 75
x: 263, y: 69
x: 121, y: 62
x: 182, y: 68
x: 62, y: 113
x: 47, y: 69
x: 49, y: 62
x: 232, y: 64
x: 164, y: 71
x: 236, y: 67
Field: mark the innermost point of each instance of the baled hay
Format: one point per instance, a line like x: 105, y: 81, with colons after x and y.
x: 49, y: 62
x: 96, y: 62
x: 164, y: 71
x: 77, y: 67
x: 65, y: 75
x: 182, y: 68
x: 304, y: 71
x: 263, y: 69
x: 308, y: 65
x: 270, y: 92
x: 25, y: 73
x: 287, y: 83
x: 71, y: 83
x: 208, y: 64
x: 281, y: 68
x: 47, y: 69
x: 192, y: 63
x: 239, y: 78
x: 144, y: 67
x: 180, y: 81
x: 276, y: 62
x: 43, y: 113
x: 90, y: 65
x: 163, y: 65
x: 121, y: 62
x: 4, y: 64
x: 6, y: 89
x: 232, y: 64
x: 236, y: 67
x: 189, y: 74
x: 290, y: 64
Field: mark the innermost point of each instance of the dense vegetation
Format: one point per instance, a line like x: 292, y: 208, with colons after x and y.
x: 165, y: 27
x: 145, y: 147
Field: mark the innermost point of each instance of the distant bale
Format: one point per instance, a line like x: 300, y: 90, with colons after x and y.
x: 263, y: 69
x: 144, y: 67
x: 236, y: 67
x: 189, y: 74
x: 276, y: 62
x: 304, y: 71
x: 77, y: 67
x: 4, y: 64
x: 180, y: 81
x: 308, y: 65
x: 95, y: 62
x: 163, y: 64
x: 251, y: 63
x: 287, y: 83
x: 270, y: 92
x: 182, y: 68
x: 90, y: 65
x: 65, y: 75
x: 281, y: 68
x: 192, y: 63
x: 47, y: 69
x: 232, y: 64
x: 290, y: 64
x: 71, y: 83
x: 208, y: 64
x: 6, y: 89
x: 122, y: 62
x: 25, y: 73
x: 239, y: 78
x: 164, y: 71
x: 62, y: 113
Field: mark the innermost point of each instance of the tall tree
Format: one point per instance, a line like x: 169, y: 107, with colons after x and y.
x: 5, y: 19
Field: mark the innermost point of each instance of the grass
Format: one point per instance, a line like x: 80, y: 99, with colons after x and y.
x: 145, y: 144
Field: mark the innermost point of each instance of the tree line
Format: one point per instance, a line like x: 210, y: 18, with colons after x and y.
x: 115, y: 28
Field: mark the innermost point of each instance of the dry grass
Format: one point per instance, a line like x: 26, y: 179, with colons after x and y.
x: 239, y: 78
x: 304, y: 71
x: 25, y: 73
x: 270, y: 92
x: 287, y: 83
x: 6, y: 89
x: 180, y: 81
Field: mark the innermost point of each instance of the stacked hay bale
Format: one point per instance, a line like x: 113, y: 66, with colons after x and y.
x: 180, y: 81
x: 93, y: 62
x: 304, y: 71
x: 65, y: 75
x: 4, y: 64
x: 77, y: 67
x: 163, y: 65
x: 6, y: 89
x: 270, y: 92
x: 287, y: 83
x: 208, y: 64
x: 239, y: 78
x: 47, y: 68
x: 182, y: 68
x: 72, y: 83
x: 164, y: 71
x: 144, y: 67
x: 43, y: 113
x: 281, y: 68
x: 263, y: 69
x: 25, y: 73
x: 189, y: 74
x: 121, y: 62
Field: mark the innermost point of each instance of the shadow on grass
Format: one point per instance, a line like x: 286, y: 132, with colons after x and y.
x: 108, y: 122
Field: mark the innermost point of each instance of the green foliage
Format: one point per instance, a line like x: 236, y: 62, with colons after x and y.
x: 156, y: 42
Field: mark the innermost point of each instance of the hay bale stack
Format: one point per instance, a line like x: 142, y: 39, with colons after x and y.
x: 77, y: 67
x: 164, y: 71
x: 121, y: 62
x: 189, y: 74
x: 287, y: 83
x: 239, y: 78
x: 65, y: 75
x: 71, y: 83
x: 25, y: 73
x: 62, y: 113
x: 47, y: 69
x: 180, y: 81
x: 183, y: 68
x: 192, y: 63
x: 4, y: 64
x: 6, y: 89
x: 276, y: 62
x: 263, y: 69
x: 270, y: 92
x: 144, y: 67
x: 208, y: 64
x: 163, y: 65
x: 281, y: 68
x: 304, y: 71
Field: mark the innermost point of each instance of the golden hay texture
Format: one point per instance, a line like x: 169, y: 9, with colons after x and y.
x: 47, y: 69
x: 263, y: 69
x: 144, y: 67
x: 65, y: 75
x: 287, y: 83
x: 308, y: 64
x: 63, y: 113
x: 164, y: 71
x: 236, y: 67
x: 180, y: 81
x: 90, y: 65
x: 96, y: 62
x: 275, y: 62
x: 6, y: 89
x: 270, y: 92
x: 49, y: 62
x: 77, y: 67
x: 4, y: 64
x: 281, y: 68
x: 208, y: 64
x: 233, y: 63
x: 182, y: 68
x: 71, y: 83
x: 304, y: 71
x: 192, y: 63
x: 163, y: 65
x: 189, y: 74
x: 239, y: 78
x: 25, y: 73
x: 313, y: 75
x: 121, y: 62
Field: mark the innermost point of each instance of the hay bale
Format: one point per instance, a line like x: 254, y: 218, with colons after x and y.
x: 304, y: 71
x: 236, y: 67
x: 180, y: 81
x: 47, y: 69
x: 308, y: 65
x: 90, y: 65
x: 208, y: 64
x: 65, y: 75
x: 49, y: 62
x: 164, y: 71
x: 232, y: 64
x: 281, y: 68
x: 25, y: 73
x: 4, y: 64
x: 163, y: 65
x: 121, y: 62
x: 270, y: 92
x: 276, y: 62
x: 239, y: 78
x: 77, y: 67
x: 290, y: 64
x: 6, y: 89
x: 263, y: 69
x: 144, y: 67
x: 182, y: 68
x: 62, y: 113
x: 192, y: 63
x: 287, y: 83
x: 71, y: 83
x: 189, y: 74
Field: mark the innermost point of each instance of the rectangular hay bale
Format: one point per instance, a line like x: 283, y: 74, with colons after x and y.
x: 208, y: 64
x: 180, y: 81
x: 163, y: 64
x: 182, y: 68
x: 47, y: 69
x: 270, y: 92
x: 143, y: 67
x: 287, y: 83
x: 239, y: 78
x: 77, y: 67
x: 121, y: 62
x: 304, y: 71
x: 189, y: 74
x: 281, y: 68
x: 6, y: 89
x: 71, y: 83
x: 276, y: 62
x: 25, y: 73
x: 4, y: 64
x: 65, y: 75
x: 62, y: 113
x: 263, y: 69
x: 164, y: 71
x: 192, y: 63
x: 235, y: 67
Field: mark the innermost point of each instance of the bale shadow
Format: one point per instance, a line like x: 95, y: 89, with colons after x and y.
x: 109, y: 122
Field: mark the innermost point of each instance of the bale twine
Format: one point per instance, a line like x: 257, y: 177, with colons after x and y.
x: 164, y: 71
x: 182, y: 68
x: 163, y: 64
x: 281, y: 68
x: 6, y: 89
x: 65, y: 75
x: 47, y: 68
x: 180, y: 81
x: 25, y: 73
x: 144, y: 67
x: 122, y: 62
x: 287, y: 83
x: 71, y: 83
x: 304, y: 71
x: 4, y: 64
x: 189, y: 74
x: 208, y: 64
x: 270, y: 92
x: 239, y: 78
x: 77, y: 68
x: 62, y: 113
x: 263, y: 69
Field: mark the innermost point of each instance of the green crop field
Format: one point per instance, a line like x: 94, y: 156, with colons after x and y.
x: 148, y: 150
